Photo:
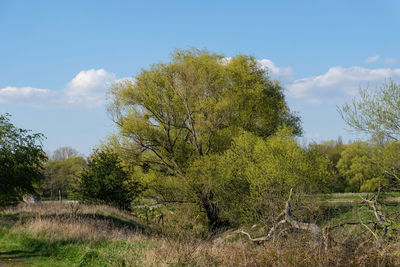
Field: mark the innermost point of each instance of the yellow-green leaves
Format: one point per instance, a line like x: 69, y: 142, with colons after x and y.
x: 375, y: 113
x: 194, y: 105
x: 177, y: 118
x: 256, y: 173
x: 361, y: 165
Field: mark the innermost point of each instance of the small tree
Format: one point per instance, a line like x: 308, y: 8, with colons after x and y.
x: 333, y: 150
x: 105, y: 180
x: 361, y: 166
x: 64, y: 153
x: 377, y: 113
x: 61, y: 177
x: 21, y: 159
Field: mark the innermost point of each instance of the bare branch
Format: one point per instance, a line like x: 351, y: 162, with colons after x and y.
x: 372, y: 232
x: 315, y: 229
x: 372, y: 203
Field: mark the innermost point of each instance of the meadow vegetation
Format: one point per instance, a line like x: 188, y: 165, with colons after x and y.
x: 59, y: 234
x: 206, y: 169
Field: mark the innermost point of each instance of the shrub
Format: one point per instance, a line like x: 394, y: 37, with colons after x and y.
x: 105, y: 180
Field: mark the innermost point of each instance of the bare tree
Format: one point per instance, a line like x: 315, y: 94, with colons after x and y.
x: 64, y: 152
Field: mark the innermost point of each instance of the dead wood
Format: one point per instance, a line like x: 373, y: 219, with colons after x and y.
x: 289, y: 219
x: 322, y: 237
x: 372, y: 202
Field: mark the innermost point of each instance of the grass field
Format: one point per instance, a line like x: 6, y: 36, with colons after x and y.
x: 357, y: 196
x: 61, y: 234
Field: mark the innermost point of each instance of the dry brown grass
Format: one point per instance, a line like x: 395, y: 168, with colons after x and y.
x: 60, y: 208
x: 77, y: 229
x: 64, y: 222
x: 241, y: 253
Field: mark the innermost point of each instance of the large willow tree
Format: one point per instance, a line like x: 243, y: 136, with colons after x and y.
x: 175, y: 113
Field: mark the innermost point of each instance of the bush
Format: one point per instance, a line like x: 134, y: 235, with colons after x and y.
x: 21, y: 159
x: 105, y: 180
x: 253, y: 178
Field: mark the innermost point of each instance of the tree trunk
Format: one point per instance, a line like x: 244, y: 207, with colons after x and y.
x: 207, y: 202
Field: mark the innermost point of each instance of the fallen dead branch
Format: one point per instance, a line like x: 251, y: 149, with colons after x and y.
x: 322, y: 237
x: 289, y: 219
x: 372, y: 202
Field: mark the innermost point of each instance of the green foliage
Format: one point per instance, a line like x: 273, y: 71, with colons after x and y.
x: 175, y: 114
x: 360, y: 165
x: 366, y: 166
x: 105, y: 180
x: 333, y: 150
x: 62, y: 176
x: 253, y: 177
x: 194, y: 105
x: 376, y: 113
x: 390, y: 164
x: 21, y: 159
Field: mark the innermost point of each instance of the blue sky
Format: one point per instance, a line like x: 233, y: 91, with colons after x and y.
x: 57, y: 58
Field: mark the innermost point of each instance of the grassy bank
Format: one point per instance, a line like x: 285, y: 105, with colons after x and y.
x: 58, y: 234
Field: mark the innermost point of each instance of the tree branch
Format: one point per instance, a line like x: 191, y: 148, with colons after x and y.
x: 315, y: 229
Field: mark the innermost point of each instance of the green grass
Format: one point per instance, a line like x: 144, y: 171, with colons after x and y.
x: 349, y: 207
x: 23, y: 249
x: 356, y: 196
x: 53, y: 234
x: 21, y: 246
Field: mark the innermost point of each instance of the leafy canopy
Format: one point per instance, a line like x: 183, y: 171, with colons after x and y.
x: 375, y: 113
x: 255, y: 174
x: 105, y: 180
x: 62, y: 176
x: 194, y: 105
x: 177, y: 114
x: 21, y: 159
x: 368, y: 167
x: 359, y: 165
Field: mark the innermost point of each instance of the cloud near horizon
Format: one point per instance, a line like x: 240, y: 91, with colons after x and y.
x: 88, y: 88
x: 27, y: 96
x: 339, y: 83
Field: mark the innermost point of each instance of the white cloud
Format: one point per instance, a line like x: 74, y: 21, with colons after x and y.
x: 389, y: 60
x: 89, y: 87
x: 28, y: 96
x: 339, y: 83
x: 275, y: 72
x: 372, y: 59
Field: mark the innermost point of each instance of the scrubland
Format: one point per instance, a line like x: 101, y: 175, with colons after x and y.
x: 62, y: 234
